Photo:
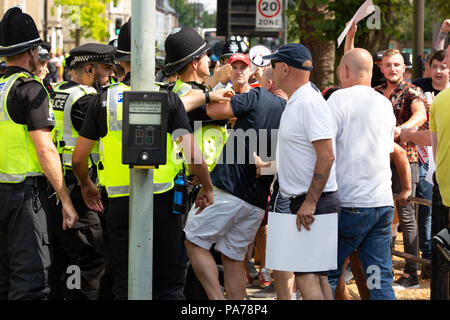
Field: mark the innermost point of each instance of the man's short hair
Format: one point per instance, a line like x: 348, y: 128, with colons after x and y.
x: 438, y: 55
x: 392, y: 52
x: 80, y: 66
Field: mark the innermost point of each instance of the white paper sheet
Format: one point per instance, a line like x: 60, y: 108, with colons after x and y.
x: 366, y: 9
x: 287, y: 249
x: 431, y: 166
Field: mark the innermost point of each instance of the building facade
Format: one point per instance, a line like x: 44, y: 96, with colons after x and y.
x: 59, y: 32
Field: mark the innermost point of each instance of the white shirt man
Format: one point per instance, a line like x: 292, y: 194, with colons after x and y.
x: 364, y: 129
x: 306, y: 119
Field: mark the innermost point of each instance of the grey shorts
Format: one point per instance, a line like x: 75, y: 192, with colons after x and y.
x: 231, y: 223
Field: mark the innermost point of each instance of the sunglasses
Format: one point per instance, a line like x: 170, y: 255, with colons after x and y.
x: 272, y: 62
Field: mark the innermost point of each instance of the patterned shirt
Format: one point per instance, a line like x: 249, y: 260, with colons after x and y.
x: 401, y: 98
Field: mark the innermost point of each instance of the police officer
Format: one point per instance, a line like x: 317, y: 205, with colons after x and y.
x: 103, y: 122
x: 42, y: 70
x: 90, y: 66
x: 186, y: 54
x: 28, y: 156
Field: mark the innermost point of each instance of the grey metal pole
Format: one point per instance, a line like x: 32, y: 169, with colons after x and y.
x: 140, y: 264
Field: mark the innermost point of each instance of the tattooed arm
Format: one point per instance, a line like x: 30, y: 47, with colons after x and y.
x: 324, y: 162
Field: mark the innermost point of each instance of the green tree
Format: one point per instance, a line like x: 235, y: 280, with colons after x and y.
x: 318, y: 24
x: 88, y: 15
x: 185, y: 11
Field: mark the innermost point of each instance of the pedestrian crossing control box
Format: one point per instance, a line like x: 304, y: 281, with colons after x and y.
x: 144, y: 132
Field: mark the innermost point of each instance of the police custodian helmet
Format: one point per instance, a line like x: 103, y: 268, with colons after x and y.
x: 123, y: 52
x: 234, y: 45
x: 183, y: 46
x: 18, y: 33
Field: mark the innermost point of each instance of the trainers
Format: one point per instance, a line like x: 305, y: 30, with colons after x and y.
x: 267, y: 292
x: 264, y: 277
x: 252, y: 269
x: 348, y: 275
x: 411, y: 282
x: 441, y: 241
x: 296, y: 296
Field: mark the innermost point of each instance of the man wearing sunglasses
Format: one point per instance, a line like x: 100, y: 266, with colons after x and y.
x: 305, y: 170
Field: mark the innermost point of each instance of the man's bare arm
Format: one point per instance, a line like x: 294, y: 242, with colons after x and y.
x: 51, y: 166
x: 324, y: 162
x: 350, y: 38
x: 404, y: 171
x: 80, y: 167
x: 420, y: 137
x: 418, y: 118
x: 196, y: 98
x: 197, y: 166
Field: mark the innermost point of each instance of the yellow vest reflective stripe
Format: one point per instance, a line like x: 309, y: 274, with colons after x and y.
x: 210, y: 137
x: 65, y: 134
x: 181, y: 88
x: 18, y: 159
x: 115, y: 176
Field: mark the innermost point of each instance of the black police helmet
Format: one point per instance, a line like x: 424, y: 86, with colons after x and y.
x: 233, y: 46
x: 18, y: 33
x: 124, y: 43
x: 183, y: 46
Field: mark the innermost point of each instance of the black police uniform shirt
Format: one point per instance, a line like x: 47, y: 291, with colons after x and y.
x: 28, y: 103
x: 255, y: 110
x: 199, y: 113
x: 95, y: 123
x: 426, y: 84
x: 79, y: 108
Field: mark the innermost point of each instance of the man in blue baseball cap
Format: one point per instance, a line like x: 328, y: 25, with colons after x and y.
x: 306, y: 173
x: 293, y: 54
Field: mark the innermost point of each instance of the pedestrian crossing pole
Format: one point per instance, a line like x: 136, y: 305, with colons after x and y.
x: 140, y: 262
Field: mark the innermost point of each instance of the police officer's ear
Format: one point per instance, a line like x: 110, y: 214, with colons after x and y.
x: 89, y: 68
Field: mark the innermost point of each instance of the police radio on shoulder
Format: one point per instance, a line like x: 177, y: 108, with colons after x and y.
x: 144, y: 130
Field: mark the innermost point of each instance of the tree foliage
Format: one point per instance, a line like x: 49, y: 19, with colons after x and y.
x: 88, y: 15
x: 188, y: 16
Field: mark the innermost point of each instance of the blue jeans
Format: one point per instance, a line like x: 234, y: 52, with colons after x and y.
x: 369, y: 231
x: 425, y: 191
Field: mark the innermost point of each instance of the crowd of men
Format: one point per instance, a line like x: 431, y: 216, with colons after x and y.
x: 64, y: 191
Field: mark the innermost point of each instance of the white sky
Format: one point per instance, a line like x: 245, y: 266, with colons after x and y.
x: 210, y: 5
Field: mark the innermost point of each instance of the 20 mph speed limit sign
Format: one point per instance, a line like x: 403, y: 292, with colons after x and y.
x: 269, y: 15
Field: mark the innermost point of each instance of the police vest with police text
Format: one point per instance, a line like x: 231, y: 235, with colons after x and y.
x: 64, y: 133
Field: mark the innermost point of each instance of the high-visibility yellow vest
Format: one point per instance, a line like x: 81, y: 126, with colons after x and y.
x: 211, y: 137
x: 18, y: 158
x: 114, y: 175
x: 64, y: 134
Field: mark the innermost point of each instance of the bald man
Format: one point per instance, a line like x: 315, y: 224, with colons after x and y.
x: 364, y: 127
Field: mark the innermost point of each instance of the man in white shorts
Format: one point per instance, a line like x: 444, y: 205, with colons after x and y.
x: 240, y: 198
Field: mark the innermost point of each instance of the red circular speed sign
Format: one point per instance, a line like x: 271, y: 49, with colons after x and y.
x: 269, y: 8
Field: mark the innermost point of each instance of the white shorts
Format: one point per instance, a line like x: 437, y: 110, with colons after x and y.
x: 229, y: 222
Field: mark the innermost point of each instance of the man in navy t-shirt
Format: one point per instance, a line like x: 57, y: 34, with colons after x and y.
x: 240, y: 198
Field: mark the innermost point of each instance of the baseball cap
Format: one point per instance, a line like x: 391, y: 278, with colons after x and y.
x: 293, y: 54
x: 378, y: 55
x: 240, y: 57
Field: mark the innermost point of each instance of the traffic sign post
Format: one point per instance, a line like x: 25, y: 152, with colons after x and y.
x: 269, y: 15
